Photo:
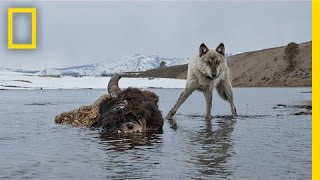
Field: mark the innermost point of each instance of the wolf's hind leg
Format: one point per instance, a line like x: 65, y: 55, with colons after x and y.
x: 224, y: 89
x: 183, y: 97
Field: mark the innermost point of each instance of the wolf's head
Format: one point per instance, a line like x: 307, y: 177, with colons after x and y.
x: 212, y: 61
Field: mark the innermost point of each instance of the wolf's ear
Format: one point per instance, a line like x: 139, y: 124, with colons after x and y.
x: 220, y: 49
x: 203, y: 49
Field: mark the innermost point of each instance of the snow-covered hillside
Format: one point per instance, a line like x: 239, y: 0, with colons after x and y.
x: 134, y: 63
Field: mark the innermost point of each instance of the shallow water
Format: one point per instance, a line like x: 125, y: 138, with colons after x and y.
x: 262, y: 143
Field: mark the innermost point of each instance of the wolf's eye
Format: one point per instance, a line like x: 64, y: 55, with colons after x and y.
x: 208, y: 62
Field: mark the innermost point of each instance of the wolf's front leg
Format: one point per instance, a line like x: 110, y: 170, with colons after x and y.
x: 208, y: 97
x: 183, y: 97
x: 224, y: 89
x: 229, y: 94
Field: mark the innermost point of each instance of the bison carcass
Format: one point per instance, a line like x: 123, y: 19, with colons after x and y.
x: 130, y: 110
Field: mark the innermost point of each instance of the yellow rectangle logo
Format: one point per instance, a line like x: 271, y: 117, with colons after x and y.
x: 33, y: 44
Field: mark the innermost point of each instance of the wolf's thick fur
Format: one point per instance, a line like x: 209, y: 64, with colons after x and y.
x: 207, y: 70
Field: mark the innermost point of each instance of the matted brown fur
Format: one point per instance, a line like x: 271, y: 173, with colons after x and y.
x: 84, y: 116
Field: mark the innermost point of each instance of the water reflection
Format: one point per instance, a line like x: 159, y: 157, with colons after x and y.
x: 215, y: 147
x: 122, y: 142
x: 130, y: 156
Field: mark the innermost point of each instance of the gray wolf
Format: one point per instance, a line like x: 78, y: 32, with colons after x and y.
x: 206, y: 71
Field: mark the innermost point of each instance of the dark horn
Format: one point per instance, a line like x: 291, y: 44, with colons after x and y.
x: 113, y: 86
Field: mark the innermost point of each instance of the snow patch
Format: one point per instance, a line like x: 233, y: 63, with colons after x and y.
x: 16, y: 80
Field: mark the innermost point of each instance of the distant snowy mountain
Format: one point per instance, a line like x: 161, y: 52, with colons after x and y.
x: 137, y: 62
x: 2, y: 69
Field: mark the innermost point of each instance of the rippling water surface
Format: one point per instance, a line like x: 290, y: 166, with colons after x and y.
x: 264, y: 142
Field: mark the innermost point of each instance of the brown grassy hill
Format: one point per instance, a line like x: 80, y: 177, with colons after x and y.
x: 179, y: 72
x: 263, y: 68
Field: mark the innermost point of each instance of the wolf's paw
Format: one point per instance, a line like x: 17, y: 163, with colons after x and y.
x: 234, y: 112
x: 172, y: 123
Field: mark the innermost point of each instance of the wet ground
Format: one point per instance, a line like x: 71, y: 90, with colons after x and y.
x: 266, y: 141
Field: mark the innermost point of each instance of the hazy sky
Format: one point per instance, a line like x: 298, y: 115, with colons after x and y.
x: 75, y: 33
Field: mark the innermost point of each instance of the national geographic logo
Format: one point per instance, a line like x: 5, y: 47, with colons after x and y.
x: 14, y: 30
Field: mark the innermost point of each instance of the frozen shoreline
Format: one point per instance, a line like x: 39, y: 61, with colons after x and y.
x: 14, y: 80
